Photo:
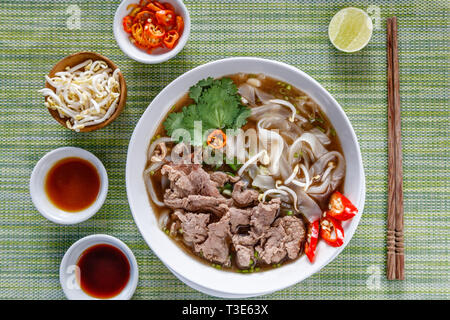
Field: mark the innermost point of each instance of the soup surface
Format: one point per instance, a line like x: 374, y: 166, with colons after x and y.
x: 290, y: 191
x: 72, y: 184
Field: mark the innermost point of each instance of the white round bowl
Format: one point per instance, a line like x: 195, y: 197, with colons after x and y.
x: 158, y: 55
x: 67, y: 275
x: 40, y: 198
x: 200, y: 275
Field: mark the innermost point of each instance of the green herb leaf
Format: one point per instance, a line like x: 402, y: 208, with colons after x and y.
x: 218, y: 106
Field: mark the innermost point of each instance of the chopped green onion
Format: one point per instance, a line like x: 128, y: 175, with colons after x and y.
x: 228, y: 186
x: 288, y: 87
x: 296, y: 155
x: 257, y: 269
x: 230, y: 174
x: 320, y: 128
x: 333, y: 132
x: 256, y: 254
x: 233, y: 166
x: 289, y: 212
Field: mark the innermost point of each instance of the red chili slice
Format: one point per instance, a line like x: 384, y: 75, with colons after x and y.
x: 331, y: 231
x: 127, y: 23
x: 155, y: 6
x: 180, y: 24
x: 165, y: 17
x: 340, y: 207
x: 155, y: 31
x: 144, y: 17
x: 216, y: 139
x: 311, y: 240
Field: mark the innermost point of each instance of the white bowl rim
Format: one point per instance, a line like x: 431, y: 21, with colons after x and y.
x: 136, y: 54
x: 40, y: 199
x: 202, y: 278
x: 86, y: 243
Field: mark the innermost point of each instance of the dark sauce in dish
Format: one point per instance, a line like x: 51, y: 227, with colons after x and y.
x: 104, y: 271
x: 72, y: 184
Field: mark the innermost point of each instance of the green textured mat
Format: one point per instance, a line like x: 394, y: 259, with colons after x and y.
x: 34, y: 36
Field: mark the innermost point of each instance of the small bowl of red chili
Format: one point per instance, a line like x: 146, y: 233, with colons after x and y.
x: 151, y: 31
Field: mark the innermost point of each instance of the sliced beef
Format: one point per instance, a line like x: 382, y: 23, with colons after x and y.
x: 220, y: 178
x: 216, y: 246
x: 283, y: 240
x: 188, y: 180
x: 244, y: 248
x: 244, y: 197
x: 193, y: 226
x: 263, y: 215
x: 244, y: 256
x: 196, y: 203
x: 271, y: 250
x: 239, y: 218
x: 295, y: 234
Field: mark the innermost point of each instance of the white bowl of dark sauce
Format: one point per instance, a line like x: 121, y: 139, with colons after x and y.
x: 99, y: 267
x: 68, y: 185
x: 189, y: 269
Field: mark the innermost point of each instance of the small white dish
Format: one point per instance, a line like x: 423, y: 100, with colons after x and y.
x: 40, y: 198
x: 67, y: 275
x: 200, y: 275
x: 158, y: 55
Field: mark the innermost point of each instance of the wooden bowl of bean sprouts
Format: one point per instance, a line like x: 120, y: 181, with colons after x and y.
x: 89, y: 91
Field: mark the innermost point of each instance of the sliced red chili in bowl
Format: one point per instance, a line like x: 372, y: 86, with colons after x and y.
x: 312, y: 237
x: 340, y: 207
x: 171, y: 38
x: 331, y: 231
x: 144, y: 17
x: 165, y: 17
x: 153, y: 24
x: 127, y: 23
x: 155, y: 31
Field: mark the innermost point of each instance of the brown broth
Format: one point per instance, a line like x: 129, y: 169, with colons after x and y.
x: 72, y: 184
x: 278, y: 89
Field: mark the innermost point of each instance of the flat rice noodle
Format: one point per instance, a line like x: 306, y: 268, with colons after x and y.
x: 306, y: 205
x: 263, y: 182
x: 323, y: 138
x: 274, y: 145
x: 248, y: 92
x: 322, y: 191
x: 263, y: 96
x: 314, y: 143
x: 271, y: 108
x: 337, y: 174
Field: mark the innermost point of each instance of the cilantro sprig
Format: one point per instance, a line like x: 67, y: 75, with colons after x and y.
x: 216, y: 103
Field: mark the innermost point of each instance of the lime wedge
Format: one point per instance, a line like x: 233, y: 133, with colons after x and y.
x: 350, y: 29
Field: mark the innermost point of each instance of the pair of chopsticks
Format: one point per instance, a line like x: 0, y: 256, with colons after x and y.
x: 395, y: 248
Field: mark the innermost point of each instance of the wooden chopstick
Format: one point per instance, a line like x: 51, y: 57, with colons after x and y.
x: 391, y: 159
x: 395, y: 247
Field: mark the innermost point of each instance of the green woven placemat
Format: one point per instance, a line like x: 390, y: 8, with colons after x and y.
x: 34, y: 35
